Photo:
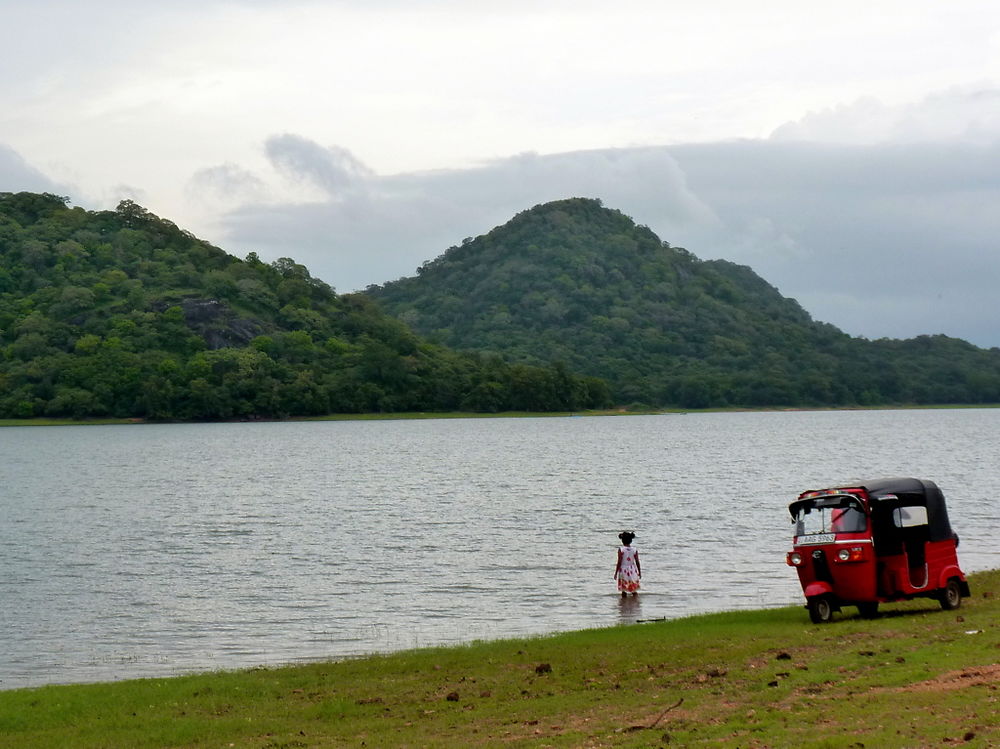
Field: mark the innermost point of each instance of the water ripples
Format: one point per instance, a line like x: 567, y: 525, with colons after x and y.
x: 152, y: 550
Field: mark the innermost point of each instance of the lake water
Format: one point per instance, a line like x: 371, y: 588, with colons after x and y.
x: 148, y: 550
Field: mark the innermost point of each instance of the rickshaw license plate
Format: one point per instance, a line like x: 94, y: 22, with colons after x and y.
x: 820, y: 538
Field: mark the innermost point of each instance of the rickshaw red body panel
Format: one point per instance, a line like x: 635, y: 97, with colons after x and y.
x: 899, y: 544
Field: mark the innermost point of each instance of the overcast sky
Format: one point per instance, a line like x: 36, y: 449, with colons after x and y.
x: 848, y: 152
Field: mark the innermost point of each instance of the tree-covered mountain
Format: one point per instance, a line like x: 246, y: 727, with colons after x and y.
x: 121, y: 313
x: 575, y: 282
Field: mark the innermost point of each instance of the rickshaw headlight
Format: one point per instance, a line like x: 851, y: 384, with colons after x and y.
x: 795, y: 559
x: 852, y: 554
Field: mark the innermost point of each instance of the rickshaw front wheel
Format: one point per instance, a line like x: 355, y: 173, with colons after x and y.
x: 951, y: 595
x: 820, y: 609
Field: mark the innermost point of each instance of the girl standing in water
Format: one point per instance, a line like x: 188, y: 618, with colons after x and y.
x: 627, y: 570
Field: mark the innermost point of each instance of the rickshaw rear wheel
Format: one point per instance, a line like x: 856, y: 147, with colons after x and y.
x: 951, y: 595
x: 868, y: 610
x: 820, y: 609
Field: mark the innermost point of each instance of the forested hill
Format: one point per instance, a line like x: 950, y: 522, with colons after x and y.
x: 575, y: 282
x: 120, y: 313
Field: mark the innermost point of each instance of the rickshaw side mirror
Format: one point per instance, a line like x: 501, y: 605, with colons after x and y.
x: 909, y: 517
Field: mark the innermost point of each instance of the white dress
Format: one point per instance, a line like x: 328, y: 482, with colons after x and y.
x: 628, y: 570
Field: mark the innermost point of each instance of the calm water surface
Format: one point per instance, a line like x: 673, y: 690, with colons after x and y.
x: 129, y: 551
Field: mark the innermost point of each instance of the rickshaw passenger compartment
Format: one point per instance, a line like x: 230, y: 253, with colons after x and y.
x: 901, y: 536
x: 914, y: 541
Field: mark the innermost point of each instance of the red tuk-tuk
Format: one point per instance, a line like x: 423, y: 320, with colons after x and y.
x: 864, y: 543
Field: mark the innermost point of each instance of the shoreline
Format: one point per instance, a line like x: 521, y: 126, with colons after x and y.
x: 765, y: 677
x: 408, y: 416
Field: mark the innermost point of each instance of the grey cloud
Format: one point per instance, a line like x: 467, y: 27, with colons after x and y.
x: 880, y: 240
x: 18, y: 175
x: 333, y: 169
x: 889, y: 240
x: 398, y: 222
x: 226, y: 183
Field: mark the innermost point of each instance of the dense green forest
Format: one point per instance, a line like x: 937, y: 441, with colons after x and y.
x: 568, y: 306
x: 573, y: 281
x: 120, y: 313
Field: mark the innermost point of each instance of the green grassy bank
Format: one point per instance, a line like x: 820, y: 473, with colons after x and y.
x: 916, y: 676
x: 621, y: 411
x: 350, y: 417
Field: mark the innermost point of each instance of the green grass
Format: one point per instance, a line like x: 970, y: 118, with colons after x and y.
x: 350, y: 417
x: 505, y: 414
x: 915, y: 676
x: 63, y: 422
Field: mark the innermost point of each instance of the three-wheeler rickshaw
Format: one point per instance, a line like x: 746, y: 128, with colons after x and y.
x: 868, y: 542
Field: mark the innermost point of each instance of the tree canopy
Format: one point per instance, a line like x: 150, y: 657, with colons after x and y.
x: 577, y: 282
x: 121, y: 313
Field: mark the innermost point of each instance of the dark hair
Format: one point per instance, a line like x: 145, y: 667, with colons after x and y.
x: 626, y: 537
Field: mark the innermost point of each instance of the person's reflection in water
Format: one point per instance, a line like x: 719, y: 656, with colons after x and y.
x: 629, y: 609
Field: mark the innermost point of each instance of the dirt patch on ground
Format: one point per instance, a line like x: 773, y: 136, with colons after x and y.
x: 978, y: 676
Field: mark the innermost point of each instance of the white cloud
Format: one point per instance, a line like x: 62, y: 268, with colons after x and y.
x: 148, y: 93
x: 967, y: 114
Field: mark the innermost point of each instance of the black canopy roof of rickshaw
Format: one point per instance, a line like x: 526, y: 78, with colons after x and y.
x: 897, y: 492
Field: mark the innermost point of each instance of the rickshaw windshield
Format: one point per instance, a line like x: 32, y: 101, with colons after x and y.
x: 836, y: 514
